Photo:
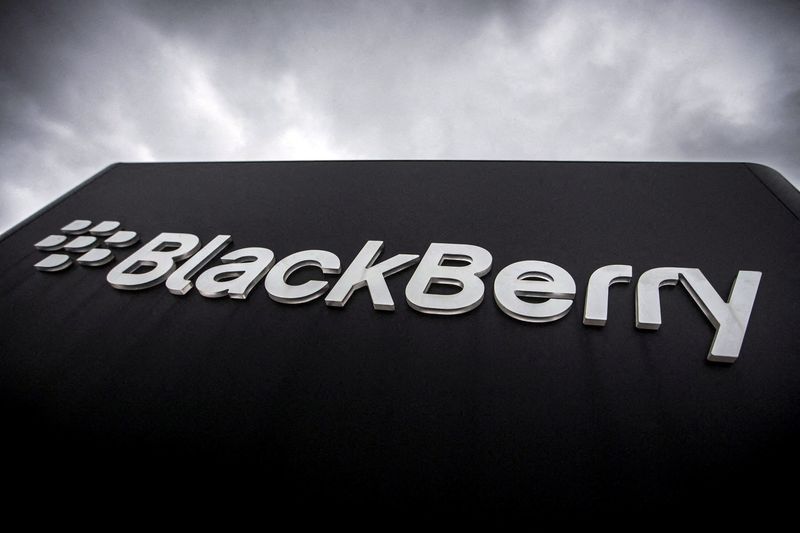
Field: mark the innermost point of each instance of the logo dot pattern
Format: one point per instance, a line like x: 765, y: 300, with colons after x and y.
x: 84, y: 238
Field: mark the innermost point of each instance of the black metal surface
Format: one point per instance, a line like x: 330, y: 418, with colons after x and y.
x: 473, y: 413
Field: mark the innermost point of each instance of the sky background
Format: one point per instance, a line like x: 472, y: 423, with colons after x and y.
x: 86, y: 84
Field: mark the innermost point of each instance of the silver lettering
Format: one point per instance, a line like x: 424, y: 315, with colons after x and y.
x: 280, y: 291
x: 178, y: 283
x: 124, y: 275
x: 595, y: 310
x: 241, y: 271
x: 729, y: 319
x: 362, y: 272
x: 534, y: 279
x: 467, y: 277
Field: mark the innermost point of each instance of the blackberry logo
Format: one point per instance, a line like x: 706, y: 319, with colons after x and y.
x: 177, y: 259
x: 81, y: 237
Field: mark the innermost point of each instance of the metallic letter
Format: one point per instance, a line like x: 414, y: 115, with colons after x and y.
x: 280, y: 291
x: 534, y: 279
x: 729, y: 319
x: 648, y: 302
x: 236, y: 279
x: 150, y: 255
x: 431, y: 270
x: 362, y: 272
x: 178, y: 283
x: 595, y: 310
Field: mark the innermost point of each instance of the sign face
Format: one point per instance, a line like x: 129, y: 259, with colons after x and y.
x: 453, y: 334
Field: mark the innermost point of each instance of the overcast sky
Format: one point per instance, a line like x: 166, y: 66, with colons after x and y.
x: 86, y: 84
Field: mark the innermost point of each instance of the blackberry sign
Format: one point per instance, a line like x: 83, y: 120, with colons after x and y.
x: 459, y: 337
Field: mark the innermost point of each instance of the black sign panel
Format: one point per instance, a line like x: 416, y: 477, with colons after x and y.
x: 479, y: 412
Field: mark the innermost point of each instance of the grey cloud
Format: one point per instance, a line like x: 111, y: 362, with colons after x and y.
x: 87, y: 84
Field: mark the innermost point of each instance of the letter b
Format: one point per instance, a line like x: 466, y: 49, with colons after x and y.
x: 431, y: 270
x: 162, y: 262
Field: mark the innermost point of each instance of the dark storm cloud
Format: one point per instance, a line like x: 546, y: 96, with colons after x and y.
x: 87, y: 84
